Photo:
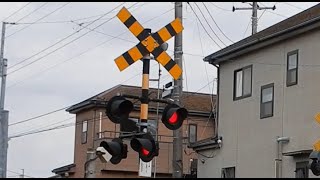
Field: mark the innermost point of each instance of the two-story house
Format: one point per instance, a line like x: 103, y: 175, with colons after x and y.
x: 93, y: 126
x: 268, y: 95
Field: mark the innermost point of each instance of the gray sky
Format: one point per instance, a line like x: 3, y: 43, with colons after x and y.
x: 54, y: 82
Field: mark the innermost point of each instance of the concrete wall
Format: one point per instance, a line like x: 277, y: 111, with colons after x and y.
x: 249, y: 143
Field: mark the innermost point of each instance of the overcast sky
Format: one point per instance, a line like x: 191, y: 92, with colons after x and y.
x: 45, y: 82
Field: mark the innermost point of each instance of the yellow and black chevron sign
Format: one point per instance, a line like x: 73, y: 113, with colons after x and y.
x: 316, y: 145
x: 149, y: 43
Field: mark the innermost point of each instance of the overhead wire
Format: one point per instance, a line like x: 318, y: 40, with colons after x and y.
x: 15, y: 12
x: 86, y: 51
x: 216, y: 23
x: 220, y: 7
x: 35, y: 10
x: 203, y: 26
x: 39, y: 116
x: 59, y: 41
x: 38, y: 20
x: 40, y: 129
x: 28, y: 64
x: 209, y: 24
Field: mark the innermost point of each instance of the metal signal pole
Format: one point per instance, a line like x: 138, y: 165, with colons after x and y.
x: 177, y: 164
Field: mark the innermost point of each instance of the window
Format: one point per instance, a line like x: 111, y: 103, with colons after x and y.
x: 242, y: 83
x: 302, y: 170
x: 84, y: 132
x: 228, y: 172
x: 192, y: 133
x: 266, y: 106
x: 292, y: 68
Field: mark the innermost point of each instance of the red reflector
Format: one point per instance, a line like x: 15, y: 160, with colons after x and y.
x: 174, y: 118
x: 144, y: 152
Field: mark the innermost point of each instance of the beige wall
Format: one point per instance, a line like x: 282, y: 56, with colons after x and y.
x: 249, y: 143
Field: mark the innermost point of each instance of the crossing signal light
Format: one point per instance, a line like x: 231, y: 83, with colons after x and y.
x: 315, y: 164
x: 118, y: 109
x: 173, y: 116
x: 146, y: 146
x: 116, y: 148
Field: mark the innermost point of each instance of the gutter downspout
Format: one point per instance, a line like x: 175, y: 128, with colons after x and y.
x: 217, y: 102
x: 278, y: 160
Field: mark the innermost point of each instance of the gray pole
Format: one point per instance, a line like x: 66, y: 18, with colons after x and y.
x: 3, y: 143
x: 254, y: 17
x: 177, y: 161
x: 3, y: 114
x: 89, y: 166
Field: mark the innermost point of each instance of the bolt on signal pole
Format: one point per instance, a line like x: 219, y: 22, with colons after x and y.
x: 177, y: 164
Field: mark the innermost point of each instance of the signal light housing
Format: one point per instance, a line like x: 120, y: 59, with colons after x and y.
x: 118, y: 109
x: 146, y: 146
x: 315, y: 164
x: 173, y: 116
x: 116, y: 148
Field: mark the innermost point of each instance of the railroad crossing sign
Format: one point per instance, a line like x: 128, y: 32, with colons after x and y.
x: 316, y: 145
x: 149, y: 43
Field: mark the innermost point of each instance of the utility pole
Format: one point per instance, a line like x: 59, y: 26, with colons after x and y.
x: 89, y: 165
x: 3, y: 114
x: 255, y: 7
x: 177, y: 164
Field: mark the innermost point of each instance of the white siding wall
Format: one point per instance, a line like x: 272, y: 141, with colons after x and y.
x: 249, y: 143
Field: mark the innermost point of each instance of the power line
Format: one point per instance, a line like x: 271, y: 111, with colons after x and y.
x: 14, y: 172
x: 204, y: 27
x: 205, y: 67
x: 292, y: 5
x: 90, y: 49
x: 217, y: 24
x: 209, y: 24
x: 16, y: 11
x: 39, y: 19
x: 39, y: 116
x: 56, y: 42
x: 37, y: 129
x: 220, y: 7
x: 62, y: 45
x: 74, y: 20
x: 35, y: 10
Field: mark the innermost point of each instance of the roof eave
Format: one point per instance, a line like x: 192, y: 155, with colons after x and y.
x: 217, y: 58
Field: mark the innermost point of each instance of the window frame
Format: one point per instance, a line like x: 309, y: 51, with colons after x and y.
x: 296, y: 69
x: 84, y: 132
x: 262, y: 116
x: 196, y: 132
x: 235, y: 98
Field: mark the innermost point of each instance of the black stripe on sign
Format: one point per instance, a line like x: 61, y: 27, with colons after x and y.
x: 146, y: 66
x: 130, y: 21
x: 144, y: 34
x: 128, y: 58
x: 143, y: 50
x: 171, y: 30
x: 157, y: 38
x: 144, y: 97
x: 156, y: 52
x: 169, y: 65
